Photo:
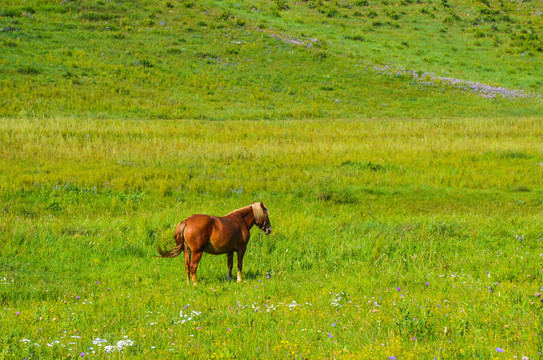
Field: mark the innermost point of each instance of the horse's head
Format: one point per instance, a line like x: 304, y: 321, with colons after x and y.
x: 262, y: 219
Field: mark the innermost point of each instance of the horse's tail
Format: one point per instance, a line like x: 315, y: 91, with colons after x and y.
x: 179, y: 240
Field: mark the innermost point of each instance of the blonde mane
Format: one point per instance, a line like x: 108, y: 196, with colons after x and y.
x: 238, y: 210
x: 257, y: 210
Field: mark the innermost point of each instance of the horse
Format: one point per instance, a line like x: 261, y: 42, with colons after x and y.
x: 217, y: 235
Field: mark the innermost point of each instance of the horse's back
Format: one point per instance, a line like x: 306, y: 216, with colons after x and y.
x: 215, y: 235
x: 198, y: 223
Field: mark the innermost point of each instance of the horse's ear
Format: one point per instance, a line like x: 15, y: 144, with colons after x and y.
x: 263, y: 206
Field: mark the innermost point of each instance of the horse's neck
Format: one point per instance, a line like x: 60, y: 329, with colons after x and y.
x: 247, y: 214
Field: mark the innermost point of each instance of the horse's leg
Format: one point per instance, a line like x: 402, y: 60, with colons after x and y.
x: 241, y: 252
x: 187, y: 252
x: 230, y: 257
x: 194, y: 266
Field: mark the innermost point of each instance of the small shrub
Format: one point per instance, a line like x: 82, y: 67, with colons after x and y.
x: 425, y: 11
x: 28, y: 10
x: 520, y: 189
x: 281, y: 5
x: 366, y: 166
x: 330, y: 12
x: 527, y: 41
x: 175, y: 50
x: 124, y: 21
x: 506, y: 18
x: 233, y: 51
x: 479, y: 34
x: 393, y: 15
x: 95, y: 16
x: 28, y: 70
x: 9, y: 29
x: 515, y: 155
x: 206, y: 56
x: 320, y: 54
x: 225, y: 15
x: 10, y: 42
x: 10, y: 12
x: 54, y: 206
x: 451, y: 19
x: 145, y: 63
x: 487, y: 11
x: 354, y: 37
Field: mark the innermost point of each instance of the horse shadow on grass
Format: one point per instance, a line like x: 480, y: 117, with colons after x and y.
x: 247, y: 275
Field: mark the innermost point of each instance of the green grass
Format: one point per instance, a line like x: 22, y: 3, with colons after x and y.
x: 406, y: 202
x: 414, y: 239
x: 226, y: 60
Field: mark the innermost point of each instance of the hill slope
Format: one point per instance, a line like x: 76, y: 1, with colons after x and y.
x: 270, y: 59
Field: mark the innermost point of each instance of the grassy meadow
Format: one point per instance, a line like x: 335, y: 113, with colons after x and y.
x: 396, y: 143
x: 399, y: 238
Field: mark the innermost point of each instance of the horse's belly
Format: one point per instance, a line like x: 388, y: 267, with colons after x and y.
x: 217, y: 250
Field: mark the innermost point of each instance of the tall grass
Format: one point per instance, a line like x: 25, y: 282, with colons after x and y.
x: 393, y: 238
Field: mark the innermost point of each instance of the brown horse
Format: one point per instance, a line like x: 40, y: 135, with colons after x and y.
x: 217, y: 235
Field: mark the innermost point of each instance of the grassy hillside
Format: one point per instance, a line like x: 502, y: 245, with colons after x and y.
x: 270, y: 59
x: 406, y: 239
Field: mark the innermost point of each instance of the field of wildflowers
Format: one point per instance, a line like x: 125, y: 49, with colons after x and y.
x: 395, y: 239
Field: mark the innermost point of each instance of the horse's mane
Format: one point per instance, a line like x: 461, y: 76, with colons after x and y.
x: 238, y: 210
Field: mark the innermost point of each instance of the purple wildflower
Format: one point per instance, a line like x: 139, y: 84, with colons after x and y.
x: 500, y: 350
x: 481, y: 89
